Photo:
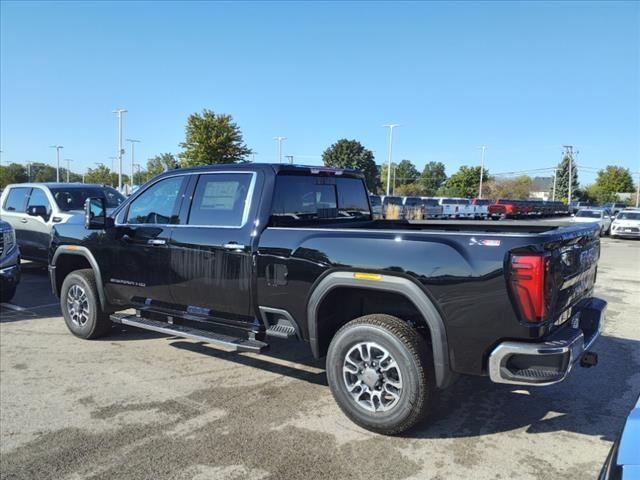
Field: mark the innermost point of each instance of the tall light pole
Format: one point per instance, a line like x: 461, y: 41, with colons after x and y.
x: 279, y: 140
x: 484, y: 147
x: 57, y: 147
x: 120, y: 111
x: 390, y: 126
x: 569, y: 153
x: 638, y: 191
x: 555, y: 176
x: 133, y: 144
x: 112, y: 166
x: 68, y: 160
x: 29, y: 171
x: 137, y: 165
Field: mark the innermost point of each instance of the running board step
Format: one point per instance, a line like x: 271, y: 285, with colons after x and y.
x: 238, y: 344
x: 280, y: 330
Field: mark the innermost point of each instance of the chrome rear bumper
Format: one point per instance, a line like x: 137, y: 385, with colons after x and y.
x: 549, y: 362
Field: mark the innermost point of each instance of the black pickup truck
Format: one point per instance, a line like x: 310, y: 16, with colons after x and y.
x: 235, y: 254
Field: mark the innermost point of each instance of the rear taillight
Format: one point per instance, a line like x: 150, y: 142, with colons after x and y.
x: 527, y: 277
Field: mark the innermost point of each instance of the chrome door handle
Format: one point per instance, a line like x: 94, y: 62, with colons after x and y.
x: 24, y: 220
x: 156, y: 241
x: 233, y: 246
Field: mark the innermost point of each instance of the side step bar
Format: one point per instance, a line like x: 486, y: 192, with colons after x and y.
x: 237, y: 344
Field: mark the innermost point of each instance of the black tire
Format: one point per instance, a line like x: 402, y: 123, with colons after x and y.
x: 415, y: 365
x: 7, y: 293
x: 94, y: 322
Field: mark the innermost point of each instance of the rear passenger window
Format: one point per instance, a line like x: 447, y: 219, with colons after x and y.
x: 300, y: 197
x: 16, y: 199
x: 221, y: 200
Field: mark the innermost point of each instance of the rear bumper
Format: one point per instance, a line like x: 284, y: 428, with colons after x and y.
x: 549, y: 362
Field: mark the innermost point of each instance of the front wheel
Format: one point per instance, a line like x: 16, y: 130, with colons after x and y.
x: 80, y: 305
x: 380, y: 373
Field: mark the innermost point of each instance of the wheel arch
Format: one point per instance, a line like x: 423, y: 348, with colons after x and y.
x: 68, y: 258
x: 394, y: 285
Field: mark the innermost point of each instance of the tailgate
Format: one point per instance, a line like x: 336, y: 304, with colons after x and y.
x: 573, y: 269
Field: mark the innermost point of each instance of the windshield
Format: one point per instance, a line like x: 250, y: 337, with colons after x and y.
x: 589, y: 214
x: 413, y: 201
x: 74, y: 198
x: 392, y: 200
x: 430, y: 202
x: 628, y: 216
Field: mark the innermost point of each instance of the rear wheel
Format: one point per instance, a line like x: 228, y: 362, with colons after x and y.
x: 380, y: 372
x: 80, y: 305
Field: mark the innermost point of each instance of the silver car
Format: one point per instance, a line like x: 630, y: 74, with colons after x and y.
x: 594, y: 215
x: 33, y: 208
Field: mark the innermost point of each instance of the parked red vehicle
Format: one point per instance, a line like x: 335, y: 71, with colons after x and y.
x: 505, y: 208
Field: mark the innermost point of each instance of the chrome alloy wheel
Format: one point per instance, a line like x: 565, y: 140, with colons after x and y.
x: 372, y: 377
x: 78, y: 305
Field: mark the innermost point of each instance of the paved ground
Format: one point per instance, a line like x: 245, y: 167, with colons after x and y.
x: 138, y: 405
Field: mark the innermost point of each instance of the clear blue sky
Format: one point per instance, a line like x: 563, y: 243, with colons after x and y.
x: 521, y: 78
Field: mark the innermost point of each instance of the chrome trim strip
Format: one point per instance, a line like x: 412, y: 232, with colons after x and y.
x: 245, y: 213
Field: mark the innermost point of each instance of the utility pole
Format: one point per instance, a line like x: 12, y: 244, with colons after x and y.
x: 29, y: 171
x: 68, y: 160
x: 390, y: 126
x: 279, y: 140
x: 569, y: 153
x: 638, y: 191
x: 57, y: 147
x: 120, y: 111
x: 290, y: 158
x: 481, y: 170
x: 555, y: 176
x: 133, y: 144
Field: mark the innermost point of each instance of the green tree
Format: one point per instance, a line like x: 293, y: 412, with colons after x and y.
x: 411, y: 189
x: 41, y: 172
x: 140, y: 177
x: 517, y: 188
x: 612, y: 180
x: 161, y: 163
x: 465, y: 182
x: 562, y: 179
x: 402, y: 173
x: 104, y: 176
x: 12, y: 173
x: 352, y: 154
x: 212, y: 138
x: 432, y: 178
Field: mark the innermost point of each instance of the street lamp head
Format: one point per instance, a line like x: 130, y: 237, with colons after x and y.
x: 132, y: 140
x: 120, y: 110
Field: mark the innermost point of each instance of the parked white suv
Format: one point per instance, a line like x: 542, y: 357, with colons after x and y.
x: 626, y: 224
x: 33, y: 208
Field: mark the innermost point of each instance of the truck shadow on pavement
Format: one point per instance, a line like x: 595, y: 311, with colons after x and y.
x: 592, y: 402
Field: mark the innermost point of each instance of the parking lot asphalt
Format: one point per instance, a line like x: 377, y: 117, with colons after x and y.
x: 140, y: 405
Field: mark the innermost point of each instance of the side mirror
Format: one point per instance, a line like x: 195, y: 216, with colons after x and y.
x: 95, y: 214
x: 37, y: 211
x: 573, y: 214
